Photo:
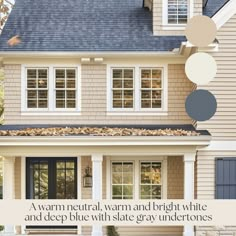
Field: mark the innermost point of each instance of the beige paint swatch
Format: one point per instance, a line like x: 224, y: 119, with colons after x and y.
x: 201, y: 68
x: 201, y: 31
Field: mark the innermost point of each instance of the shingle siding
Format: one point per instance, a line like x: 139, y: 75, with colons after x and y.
x: 94, y: 101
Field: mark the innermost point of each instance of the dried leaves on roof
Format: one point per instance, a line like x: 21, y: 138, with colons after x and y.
x: 95, y: 131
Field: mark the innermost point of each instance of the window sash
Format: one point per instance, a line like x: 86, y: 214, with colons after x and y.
x: 151, y: 186
x: 120, y: 185
x: 177, y: 11
x: 65, y: 97
x: 123, y: 91
x: 37, y: 93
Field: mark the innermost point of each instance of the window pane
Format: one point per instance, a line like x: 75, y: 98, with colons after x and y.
x: 128, y: 103
x: 146, y: 104
x: 70, y: 83
x: 32, y: 103
x: 146, y: 94
x: 128, y: 73
x: 117, y: 73
x: 70, y: 73
x: 122, y: 180
x: 60, y: 73
x: 128, y: 94
x: 117, y: 83
x: 156, y: 74
x: 156, y: 83
x: 42, y: 83
x: 31, y: 74
x: 117, y: 103
x: 43, y: 94
x: 70, y: 94
x: 60, y: 83
x: 146, y: 83
x: 60, y: 104
x: 128, y: 84
x: 150, y: 182
x: 31, y: 83
x: 146, y: 74
x: 42, y: 104
x: 32, y: 94
x: 70, y: 104
x: 117, y: 93
x: 60, y: 94
x: 42, y: 74
x: 156, y: 103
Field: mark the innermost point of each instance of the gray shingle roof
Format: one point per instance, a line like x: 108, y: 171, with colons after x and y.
x: 213, y: 6
x: 84, y: 25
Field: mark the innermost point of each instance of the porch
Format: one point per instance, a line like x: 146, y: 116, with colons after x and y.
x: 175, y: 156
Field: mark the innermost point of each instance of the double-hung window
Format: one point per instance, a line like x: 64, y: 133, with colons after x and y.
x: 137, y: 89
x: 51, y: 89
x: 123, y: 88
x: 146, y: 183
x: 177, y: 11
x: 65, y: 88
x: 37, y: 88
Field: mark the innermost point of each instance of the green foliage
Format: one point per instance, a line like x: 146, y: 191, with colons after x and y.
x: 111, y: 231
x: 1, y: 227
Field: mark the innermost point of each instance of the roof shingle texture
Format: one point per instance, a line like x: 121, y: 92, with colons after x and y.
x: 213, y: 6
x: 84, y: 25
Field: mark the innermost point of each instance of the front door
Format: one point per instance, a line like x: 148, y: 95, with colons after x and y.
x: 51, y: 178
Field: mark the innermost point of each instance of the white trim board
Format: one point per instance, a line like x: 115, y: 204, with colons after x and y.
x: 220, y: 146
x: 225, y: 13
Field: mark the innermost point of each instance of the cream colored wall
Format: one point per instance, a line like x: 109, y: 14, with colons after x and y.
x: 222, y: 125
x: 94, y: 107
x: 158, y: 15
x: 206, y: 187
x: 18, y: 178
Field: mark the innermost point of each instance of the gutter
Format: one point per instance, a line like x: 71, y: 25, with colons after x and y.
x: 97, y: 141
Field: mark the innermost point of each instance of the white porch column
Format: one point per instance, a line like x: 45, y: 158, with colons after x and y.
x: 189, y: 159
x: 8, y: 186
x: 97, y: 186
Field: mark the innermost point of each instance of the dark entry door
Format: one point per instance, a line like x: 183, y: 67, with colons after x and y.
x: 51, y: 178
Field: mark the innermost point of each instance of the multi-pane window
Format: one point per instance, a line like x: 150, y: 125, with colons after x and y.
x: 123, y: 88
x: 37, y: 88
x: 122, y: 180
x: 150, y: 180
x: 177, y: 11
x: 65, y: 88
x: 151, y: 88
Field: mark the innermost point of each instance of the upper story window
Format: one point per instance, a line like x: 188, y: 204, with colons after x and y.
x: 50, y: 89
x: 65, y: 88
x: 123, y: 88
x: 37, y: 88
x: 177, y: 11
x: 137, y: 89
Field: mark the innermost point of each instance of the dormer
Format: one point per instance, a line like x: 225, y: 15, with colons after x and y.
x: 171, y: 16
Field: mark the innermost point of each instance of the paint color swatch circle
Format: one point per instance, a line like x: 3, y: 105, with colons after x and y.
x: 201, y: 105
x: 201, y: 68
x: 201, y: 31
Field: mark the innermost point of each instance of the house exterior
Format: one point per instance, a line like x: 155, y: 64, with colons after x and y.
x: 119, y: 65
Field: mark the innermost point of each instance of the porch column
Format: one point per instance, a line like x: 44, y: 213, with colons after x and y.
x: 189, y: 159
x: 8, y: 186
x: 97, y: 187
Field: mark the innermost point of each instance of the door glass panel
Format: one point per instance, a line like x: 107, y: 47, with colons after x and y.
x: 39, y: 185
x: 65, y: 180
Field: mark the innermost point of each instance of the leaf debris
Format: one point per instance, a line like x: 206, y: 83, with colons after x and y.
x: 97, y: 131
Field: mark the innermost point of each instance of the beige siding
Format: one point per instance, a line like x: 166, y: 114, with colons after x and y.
x: 157, y: 18
x: 175, y: 172
x: 206, y: 187
x: 18, y: 178
x: 94, y: 83
x: 223, y: 124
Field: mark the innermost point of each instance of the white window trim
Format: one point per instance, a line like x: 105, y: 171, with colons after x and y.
x: 137, y: 110
x: 136, y: 160
x: 51, y: 110
x: 166, y: 25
